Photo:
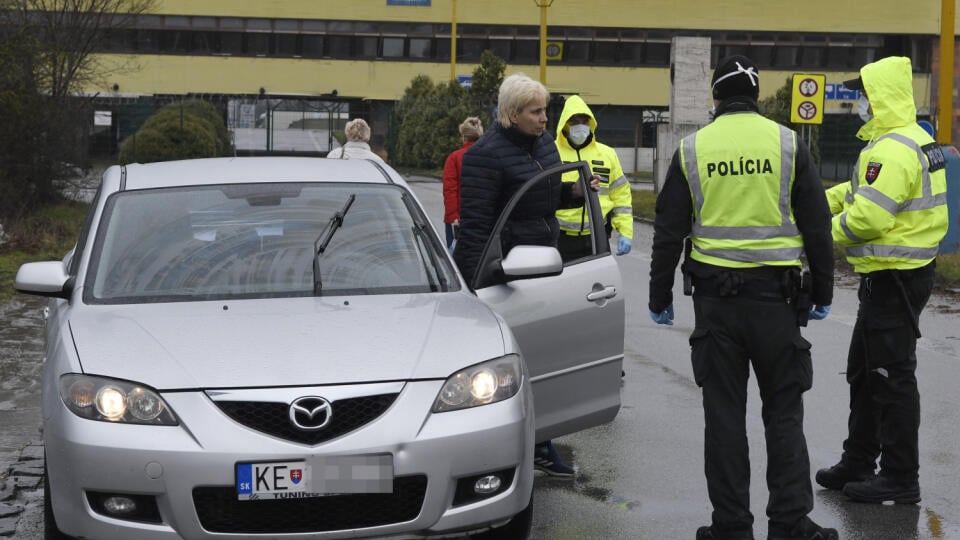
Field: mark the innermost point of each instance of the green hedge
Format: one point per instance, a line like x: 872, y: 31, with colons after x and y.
x: 183, y: 130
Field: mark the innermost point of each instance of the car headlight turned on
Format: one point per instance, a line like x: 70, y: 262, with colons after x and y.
x: 482, y: 384
x: 114, y: 400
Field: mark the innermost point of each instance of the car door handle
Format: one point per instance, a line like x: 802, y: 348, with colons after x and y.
x: 602, y: 294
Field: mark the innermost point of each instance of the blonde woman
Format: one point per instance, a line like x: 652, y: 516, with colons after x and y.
x: 358, y: 142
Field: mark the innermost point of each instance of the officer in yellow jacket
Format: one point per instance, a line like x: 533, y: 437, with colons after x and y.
x: 746, y: 192
x: 577, y: 142
x: 890, y: 219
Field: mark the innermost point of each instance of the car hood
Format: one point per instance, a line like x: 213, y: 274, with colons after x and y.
x: 287, y: 342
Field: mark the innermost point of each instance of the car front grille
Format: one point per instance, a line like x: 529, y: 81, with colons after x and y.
x: 220, y: 511
x: 273, y: 418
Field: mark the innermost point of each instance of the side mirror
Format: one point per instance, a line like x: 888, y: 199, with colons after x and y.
x: 526, y: 262
x: 47, y: 278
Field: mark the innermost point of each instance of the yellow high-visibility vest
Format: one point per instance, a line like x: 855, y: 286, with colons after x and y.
x: 740, y: 169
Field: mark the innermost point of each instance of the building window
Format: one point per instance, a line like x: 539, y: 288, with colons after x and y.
x: 469, y: 50
x: 576, y: 52
x: 785, y: 56
x: 286, y: 44
x: 367, y: 47
x: 762, y: 55
x: 526, y: 51
x: 605, y: 52
x: 421, y: 48
x: 148, y: 41
x: 257, y: 44
x: 231, y: 43
x: 393, y: 47
x: 657, y: 54
x: 311, y: 45
x: 339, y: 46
x: 839, y: 57
x: 176, y: 41
x: 502, y: 48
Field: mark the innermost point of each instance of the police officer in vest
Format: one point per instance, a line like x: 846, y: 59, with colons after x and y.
x: 890, y: 219
x: 746, y: 194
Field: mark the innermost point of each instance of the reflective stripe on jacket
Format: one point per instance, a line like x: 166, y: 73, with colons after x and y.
x: 740, y: 169
x: 616, y: 196
x: 893, y: 213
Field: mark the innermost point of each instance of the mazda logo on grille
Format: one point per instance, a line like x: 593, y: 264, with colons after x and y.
x: 310, y: 413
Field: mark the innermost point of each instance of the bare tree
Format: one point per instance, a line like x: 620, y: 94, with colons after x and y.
x: 50, y: 49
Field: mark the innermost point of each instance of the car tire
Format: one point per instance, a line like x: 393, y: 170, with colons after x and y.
x: 50, y: 530
x: 518, y: 528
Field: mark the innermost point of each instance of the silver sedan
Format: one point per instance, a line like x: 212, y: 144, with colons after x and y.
x: 267, y: 347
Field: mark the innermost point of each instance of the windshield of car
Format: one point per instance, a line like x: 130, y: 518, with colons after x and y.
x: 258, y: 241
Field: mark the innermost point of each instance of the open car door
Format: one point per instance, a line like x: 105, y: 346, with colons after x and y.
x: 568, y: 318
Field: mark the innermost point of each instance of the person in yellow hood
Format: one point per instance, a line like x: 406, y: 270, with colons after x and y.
x: 889, y: 219
x: 577, y: 142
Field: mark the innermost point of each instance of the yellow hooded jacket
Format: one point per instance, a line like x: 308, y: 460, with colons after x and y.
x: 893, y: 213
x: 616, y: 199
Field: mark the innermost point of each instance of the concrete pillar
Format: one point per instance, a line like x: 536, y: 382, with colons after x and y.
x: 690, y: 99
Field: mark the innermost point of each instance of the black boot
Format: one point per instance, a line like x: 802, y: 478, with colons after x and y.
x: 882, y: 488
x: 840, y: 474
x: 805, y: 529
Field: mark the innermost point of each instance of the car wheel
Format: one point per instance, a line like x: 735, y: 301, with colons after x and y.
x: 518, y: 528
x: 50, y: 530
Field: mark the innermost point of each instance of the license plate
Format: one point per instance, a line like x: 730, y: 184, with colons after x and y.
x: 316, y: 476
x: 273, y: 480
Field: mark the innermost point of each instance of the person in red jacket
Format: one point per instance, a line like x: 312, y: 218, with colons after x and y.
x: 470, y: 130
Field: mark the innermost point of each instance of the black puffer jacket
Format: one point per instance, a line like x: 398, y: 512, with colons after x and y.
x: 494, y: 168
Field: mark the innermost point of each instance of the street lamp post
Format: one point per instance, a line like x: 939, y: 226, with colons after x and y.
x: 453, y: 43
x: 945, y: 90
x: 543, y: 5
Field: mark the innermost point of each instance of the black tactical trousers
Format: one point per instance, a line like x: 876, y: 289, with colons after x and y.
x: 573, y: 247
x: 731, y: 334
x: 881, y: 370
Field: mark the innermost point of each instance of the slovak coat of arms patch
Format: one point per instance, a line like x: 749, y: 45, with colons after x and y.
x: 873, y: 171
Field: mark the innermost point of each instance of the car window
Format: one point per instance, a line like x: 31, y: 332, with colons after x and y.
x: 578, y: 247
x: 260, y: 240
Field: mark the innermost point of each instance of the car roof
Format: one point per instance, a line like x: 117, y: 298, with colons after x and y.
x: 240, y: 170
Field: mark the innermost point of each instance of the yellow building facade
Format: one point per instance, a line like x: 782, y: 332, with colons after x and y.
x: 614, y: 53
x: 740, y: 25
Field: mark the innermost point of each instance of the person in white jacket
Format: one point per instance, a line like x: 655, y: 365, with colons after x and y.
x: 358, y: 142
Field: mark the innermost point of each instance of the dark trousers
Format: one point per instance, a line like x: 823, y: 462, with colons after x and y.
x: 731, y: 334
x: 574, y: 247
x: 450, y: 233
x: 881, y: 370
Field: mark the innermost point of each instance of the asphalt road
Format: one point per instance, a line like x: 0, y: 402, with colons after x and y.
x: 641, y: 476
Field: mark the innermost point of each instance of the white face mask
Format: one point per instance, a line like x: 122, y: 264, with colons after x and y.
x: 578, y: 134
x: 863, y: 108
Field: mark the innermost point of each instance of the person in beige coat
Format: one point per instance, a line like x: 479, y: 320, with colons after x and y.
x: 358, y: 142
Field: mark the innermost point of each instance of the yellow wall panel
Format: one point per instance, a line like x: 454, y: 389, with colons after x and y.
x: 167, y: 74
x: 876, y: 16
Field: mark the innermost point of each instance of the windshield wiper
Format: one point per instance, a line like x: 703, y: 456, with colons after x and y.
x: 322, y: 241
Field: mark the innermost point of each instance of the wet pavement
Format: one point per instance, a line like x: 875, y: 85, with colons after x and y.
x: 21, y: 360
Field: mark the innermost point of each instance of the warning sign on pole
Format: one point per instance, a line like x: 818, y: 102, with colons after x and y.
x: 806, y: 104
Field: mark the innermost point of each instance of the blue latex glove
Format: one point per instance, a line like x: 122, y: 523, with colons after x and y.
x: 623, y: 245
x: 819, y: 313
x: 664, y: 317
